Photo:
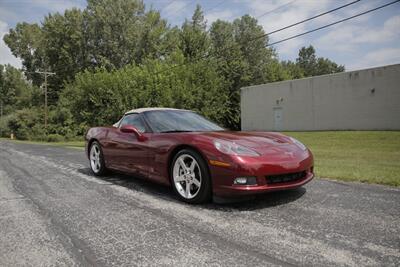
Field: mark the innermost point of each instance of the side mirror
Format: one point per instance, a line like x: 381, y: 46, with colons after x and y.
x: 131, y: 129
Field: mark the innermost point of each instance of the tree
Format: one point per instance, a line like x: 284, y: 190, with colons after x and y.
x: 65, y: 51
x: 242, y: 59
x: 26, y: 42
x: 326, y: 66
x: 312, y: 66
x: 256, y: 54
x: 115, y: 55
x: 113, y: 28
x: 15, y: 91
x: 231, y: 65
x: 194, y: 40
x: 55, y: 46
x: 307, y: 60
x: 294, y: 70
x: 155, y: 38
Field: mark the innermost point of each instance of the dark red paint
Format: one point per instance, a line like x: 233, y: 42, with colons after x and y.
x: 149, y: 155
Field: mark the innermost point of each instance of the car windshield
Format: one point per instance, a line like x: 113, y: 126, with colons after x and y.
x: 162, y: 121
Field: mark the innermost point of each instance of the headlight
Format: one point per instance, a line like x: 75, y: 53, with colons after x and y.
x: 298, y: 143
x: 232, y: 148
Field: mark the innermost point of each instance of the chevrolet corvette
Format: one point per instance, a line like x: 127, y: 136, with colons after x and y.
x: 195, y: 156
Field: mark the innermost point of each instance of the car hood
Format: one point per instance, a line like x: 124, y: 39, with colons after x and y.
x: 254, y: 140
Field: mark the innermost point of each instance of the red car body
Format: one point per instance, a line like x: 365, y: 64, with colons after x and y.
x: 282, y: 164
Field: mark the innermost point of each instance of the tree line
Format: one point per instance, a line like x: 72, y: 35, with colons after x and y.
x: 116, y: 55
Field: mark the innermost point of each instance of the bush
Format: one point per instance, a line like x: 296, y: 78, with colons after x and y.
x: 5, y: 131
x: 26, y: 124
x: 101, y: 97
x: 55, y: 138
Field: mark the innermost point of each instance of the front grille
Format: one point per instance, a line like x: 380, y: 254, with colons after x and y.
x: 284, y: 178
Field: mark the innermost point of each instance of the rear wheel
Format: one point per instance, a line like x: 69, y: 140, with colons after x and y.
x: 96, y: 159
x: 190, y: 178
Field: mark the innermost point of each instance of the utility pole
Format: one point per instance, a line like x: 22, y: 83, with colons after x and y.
x: 46, y: 73
x: 1, y: 115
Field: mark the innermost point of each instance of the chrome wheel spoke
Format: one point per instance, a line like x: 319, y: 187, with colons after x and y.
x: 182, y: 164
x: 186, y: 176
x: 196, y: 182
x: 187, y: 189
x: 179, y: 178
x: 192, y: 166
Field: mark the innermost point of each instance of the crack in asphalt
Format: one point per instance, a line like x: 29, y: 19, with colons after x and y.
x: 68, y: 240
x: 135, y: 222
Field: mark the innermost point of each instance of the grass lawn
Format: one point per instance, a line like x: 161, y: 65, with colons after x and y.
x: 72, y: 144
x: 371, y: 157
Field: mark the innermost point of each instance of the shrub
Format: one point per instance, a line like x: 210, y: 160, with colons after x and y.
x: 55, y: 138
x: 26, y: 124
x: 5, y: 131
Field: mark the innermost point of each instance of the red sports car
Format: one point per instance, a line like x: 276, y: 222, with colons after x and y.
x: 197, y: 157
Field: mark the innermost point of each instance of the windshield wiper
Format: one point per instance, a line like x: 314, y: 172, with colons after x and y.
x: 176, y: 131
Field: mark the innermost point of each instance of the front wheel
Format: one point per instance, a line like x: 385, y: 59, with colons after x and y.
x: 190, y: 178
x: 96, y: 159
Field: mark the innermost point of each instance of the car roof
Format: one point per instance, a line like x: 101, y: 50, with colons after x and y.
x: 141, y: 110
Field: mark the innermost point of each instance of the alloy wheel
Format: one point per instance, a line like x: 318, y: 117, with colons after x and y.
x: 95, y: 160
x: 187, y: 176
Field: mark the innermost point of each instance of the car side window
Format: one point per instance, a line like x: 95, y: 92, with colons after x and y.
x: 135, y: 121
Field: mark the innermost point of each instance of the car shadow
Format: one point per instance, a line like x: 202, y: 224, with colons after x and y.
x: 261, y: 201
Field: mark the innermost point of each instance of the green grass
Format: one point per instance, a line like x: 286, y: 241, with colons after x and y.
x: 371, y: 157
x: 71, y: 144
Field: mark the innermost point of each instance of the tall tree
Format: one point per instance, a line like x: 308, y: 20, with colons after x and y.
x: 255, y: 52
x: 113, y: 31
x: 15, y: 91
x: 26, y: 42
x: 194, y: 41
x: 243, y: 59
x: 294, y: 70
x: 312, y: 66
x: 307, y: 60
x: 231, y: 65
x: 154, y: 41
x: 65, y: 49
x: 326, y: 66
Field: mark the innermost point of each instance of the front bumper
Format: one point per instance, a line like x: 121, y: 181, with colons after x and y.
x: 243, y: 190
x: 261, y: 168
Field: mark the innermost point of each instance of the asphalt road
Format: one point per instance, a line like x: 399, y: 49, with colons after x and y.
x: 54, y: 212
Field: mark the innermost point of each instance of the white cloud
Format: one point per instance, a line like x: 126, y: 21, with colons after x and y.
x: 223, y: 15
x: 350, y: 37
x: 6, y: 56
x: 57, y: 6
x: 384, y: 56
x: 288, y: 14
x: 177, y: 6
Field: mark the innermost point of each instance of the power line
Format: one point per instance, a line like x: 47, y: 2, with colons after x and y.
x: 304, y: 33
x: 303, y: 21
x: 211, y: 8
x: 185, y: 5
x: 275, y: 9
x: 169, y: 3
x: 314, y: 17
x: 333, y: 23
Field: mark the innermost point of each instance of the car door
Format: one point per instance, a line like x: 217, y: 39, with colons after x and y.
x: 128, y: 154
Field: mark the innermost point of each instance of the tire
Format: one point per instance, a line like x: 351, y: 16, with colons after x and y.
x: 190, y: 177
x: 96, y: 159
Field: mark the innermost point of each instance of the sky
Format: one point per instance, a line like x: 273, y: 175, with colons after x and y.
x: 367, y: 41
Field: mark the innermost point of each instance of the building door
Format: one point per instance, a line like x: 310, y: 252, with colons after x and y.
x: 278, y: 118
